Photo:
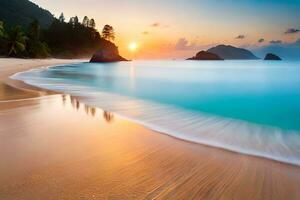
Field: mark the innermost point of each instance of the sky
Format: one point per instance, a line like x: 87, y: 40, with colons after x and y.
x: 180, y: 28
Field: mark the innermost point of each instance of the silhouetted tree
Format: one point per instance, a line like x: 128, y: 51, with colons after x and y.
x: 62, y: 17
x: 34, y: 30
x: 108, y: 32
x: 92, y: 23
x: 85, y: 21
x: 36, y: 48
x: 74, y: 21
x: 1, y: 38
x: 1, y: 29
x: 15, y: 41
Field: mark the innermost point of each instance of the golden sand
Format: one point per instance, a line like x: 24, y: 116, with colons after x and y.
x: 54, y: 147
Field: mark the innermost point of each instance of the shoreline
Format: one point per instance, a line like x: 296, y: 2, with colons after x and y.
x: 182, y: 165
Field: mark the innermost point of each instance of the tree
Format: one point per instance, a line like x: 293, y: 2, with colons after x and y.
x: 1, y: 29
x: 15, y: 41
x: 36, y: 48
x: 2, y: 41
x: 85, y: 21
x: 74, y: 21
x: 62, y: 17
x: 34, y: 30
x: 108, y: 32
x: 92, y: 23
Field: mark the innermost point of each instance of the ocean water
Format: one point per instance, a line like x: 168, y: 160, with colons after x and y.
x: 250, y: 107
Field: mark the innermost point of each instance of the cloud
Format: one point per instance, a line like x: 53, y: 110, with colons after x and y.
x: 291, y: 31
x: 155, y: 24
x: 240, y: 37
x: 184, y: 45
x: 159, y: 25
x: 275, y: 42
x: 261, y: 40
x: 145, y: 32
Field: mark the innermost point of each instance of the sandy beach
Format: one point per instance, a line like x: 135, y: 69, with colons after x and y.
x: 53, y: 146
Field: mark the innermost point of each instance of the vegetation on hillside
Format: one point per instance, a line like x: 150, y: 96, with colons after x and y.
x: 72, y: 39
x: 23, y: 12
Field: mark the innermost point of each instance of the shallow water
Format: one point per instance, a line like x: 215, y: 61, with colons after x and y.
x: 251, y: 107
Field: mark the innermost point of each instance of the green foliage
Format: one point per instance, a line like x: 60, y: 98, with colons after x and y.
x: 36, y: 48
x: 15, y: 41
x: 73, y: 39
x: 2, y: 41
x: 108, y: 32
x: 64, y: 40
x: 23, y: 12
x: 1, y: 29
x: 34, y: 30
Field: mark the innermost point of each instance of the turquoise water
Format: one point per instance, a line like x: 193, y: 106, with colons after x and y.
x: 250, y: 107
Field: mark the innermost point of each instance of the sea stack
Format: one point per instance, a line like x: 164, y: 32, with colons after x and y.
x: 108, y: 53
x: 271, y: 56
x: 204, y: 55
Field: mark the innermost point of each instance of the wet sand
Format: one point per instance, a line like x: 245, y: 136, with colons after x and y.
x: 55, y: 147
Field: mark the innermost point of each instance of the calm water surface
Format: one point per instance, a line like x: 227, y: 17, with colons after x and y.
x: 251, y: 107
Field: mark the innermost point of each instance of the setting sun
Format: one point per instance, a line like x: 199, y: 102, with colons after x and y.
x: 133, y: 46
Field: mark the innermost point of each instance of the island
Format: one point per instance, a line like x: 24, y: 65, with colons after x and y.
x: 228, y: 52
x: 108, y: 53
x: 271, y: 56
x: 204, y: 55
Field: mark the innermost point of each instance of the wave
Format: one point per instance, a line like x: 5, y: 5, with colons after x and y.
x: 230, y: 134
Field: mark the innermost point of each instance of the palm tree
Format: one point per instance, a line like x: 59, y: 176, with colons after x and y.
x: 15, y: 41
x: 1, y: 29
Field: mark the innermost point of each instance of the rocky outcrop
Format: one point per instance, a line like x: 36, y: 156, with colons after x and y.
x: 228, y: 52
x: 204, y: 55
x: 271, y: 56
x: 107, y: 53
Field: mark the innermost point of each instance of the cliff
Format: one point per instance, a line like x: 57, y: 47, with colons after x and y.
x: 107, y: 53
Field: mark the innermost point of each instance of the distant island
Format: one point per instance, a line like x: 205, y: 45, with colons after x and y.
x: 224, y: 52
x: 204, y: 55
x: 228, y: 52
x: 271, y: 56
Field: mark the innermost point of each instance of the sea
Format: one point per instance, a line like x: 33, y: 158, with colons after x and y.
x: 246, y: 106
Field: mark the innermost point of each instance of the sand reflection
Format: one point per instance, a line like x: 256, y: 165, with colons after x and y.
x: 88, y: 110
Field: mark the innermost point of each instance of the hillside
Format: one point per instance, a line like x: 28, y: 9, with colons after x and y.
x: 23, y: 12
x: 228, y: 52
x: 204, y: 55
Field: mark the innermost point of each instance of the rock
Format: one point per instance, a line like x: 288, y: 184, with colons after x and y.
x: 228, y: 52
x: 108, y: 53
x: 271, y: 56
x: 204, y: 55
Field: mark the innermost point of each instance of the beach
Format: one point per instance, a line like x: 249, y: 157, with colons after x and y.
x: 53, y: 146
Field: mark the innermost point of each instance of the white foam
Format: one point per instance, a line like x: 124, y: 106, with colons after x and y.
x: 231, y: 134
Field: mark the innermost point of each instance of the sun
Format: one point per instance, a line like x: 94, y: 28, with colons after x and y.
x: 133, y: 46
